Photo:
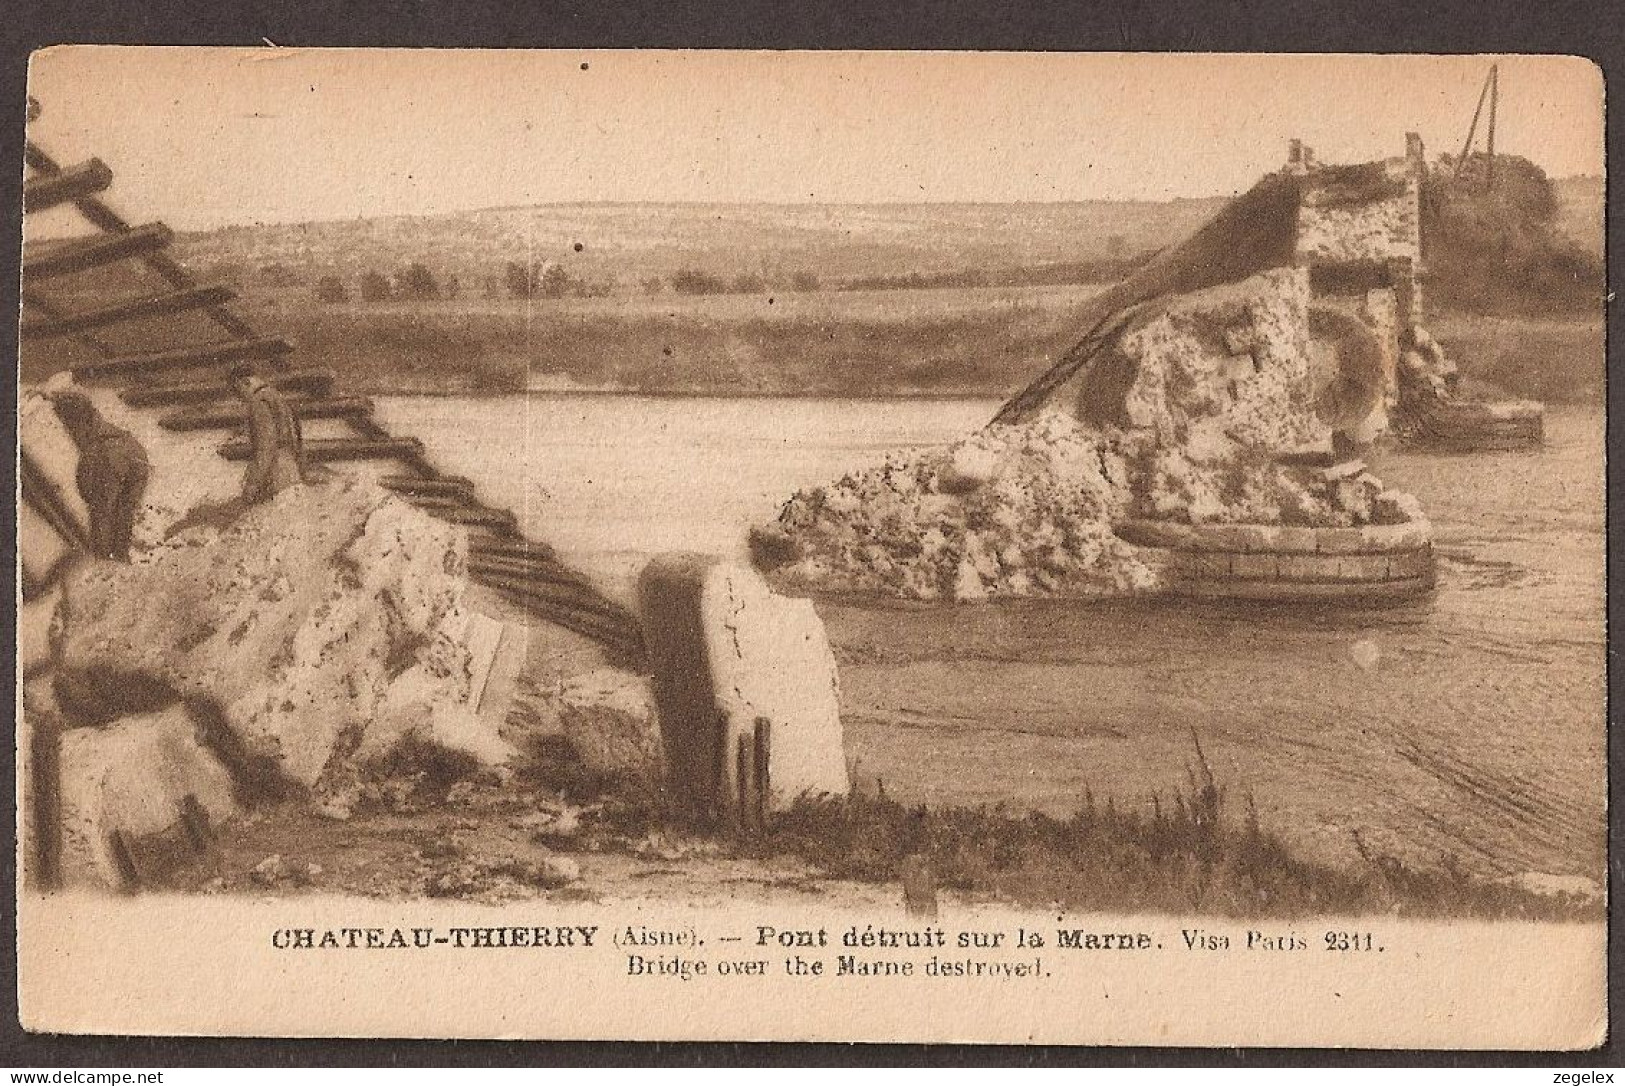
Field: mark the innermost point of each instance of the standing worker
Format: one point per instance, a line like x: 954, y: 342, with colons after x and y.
x: 273, y: 431
x: 112, y: 474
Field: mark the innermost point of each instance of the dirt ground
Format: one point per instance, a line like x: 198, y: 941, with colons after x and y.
x: 493, y: 842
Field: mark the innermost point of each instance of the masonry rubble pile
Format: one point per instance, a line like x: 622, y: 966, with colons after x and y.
x: 1190, y: 414
x: 295, y: 652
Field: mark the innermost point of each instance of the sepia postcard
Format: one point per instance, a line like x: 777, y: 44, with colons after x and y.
x: 883, y: 547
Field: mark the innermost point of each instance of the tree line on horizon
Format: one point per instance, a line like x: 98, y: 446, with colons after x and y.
x: 517, y: 280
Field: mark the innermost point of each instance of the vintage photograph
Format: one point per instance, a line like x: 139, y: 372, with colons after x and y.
x: 723, y: 525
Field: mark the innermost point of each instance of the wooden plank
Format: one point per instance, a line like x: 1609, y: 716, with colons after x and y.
x: 227, y: 415
x: 625, y: 638
x: 454, y: 486
x: 153, y: 305
x: 32, y: 300
x: 315, y: 382
x: 583, y: 598
x: 329, y: 449
x: 72, y: 183
x: 207, y: 354
x: 82, y: 254
x: 549, y: 570
x: 523, y: 549
x: 457, y: 513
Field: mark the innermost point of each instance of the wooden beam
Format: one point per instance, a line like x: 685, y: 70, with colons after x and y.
x: 449, y: 509
x: 46, y: 308
x: 313, y: 382
x: 153, y: 305
x: 105, y: 218
x: 206, y: 355
x: 545, y: 568
x: 523, y: 549
x: 83, y: 254
x: 328, y: 449
x: 227, y: 415
x: 48, y: 190
x: 450, y: 486
x: 620, y: 633
x: 47, y: 499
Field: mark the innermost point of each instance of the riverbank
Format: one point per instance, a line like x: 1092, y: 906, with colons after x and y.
x: 867, y: 344
x: 553, y: 833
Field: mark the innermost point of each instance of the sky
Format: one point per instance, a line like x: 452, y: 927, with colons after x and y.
x: 208, y: 137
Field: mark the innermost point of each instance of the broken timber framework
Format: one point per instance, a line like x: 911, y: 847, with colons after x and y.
x: 200, y: 398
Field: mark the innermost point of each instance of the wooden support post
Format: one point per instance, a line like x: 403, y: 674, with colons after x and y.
x: 742, y: 809
x: 1472, y: 129
x: 762, y: 764
x: 45, y: 796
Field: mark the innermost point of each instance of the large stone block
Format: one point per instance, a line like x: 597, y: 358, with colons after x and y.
x: 134, y: 797
x: 728, y: 652
x: 293, y: 621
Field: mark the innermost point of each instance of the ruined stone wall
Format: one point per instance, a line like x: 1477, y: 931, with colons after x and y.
x: 1182, y: 419
x: 1354, y: 214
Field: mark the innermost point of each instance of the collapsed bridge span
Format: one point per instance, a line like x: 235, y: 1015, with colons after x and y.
x: 164, y: 346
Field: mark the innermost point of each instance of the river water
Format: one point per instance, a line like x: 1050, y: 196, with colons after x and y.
x: 1468, y: 725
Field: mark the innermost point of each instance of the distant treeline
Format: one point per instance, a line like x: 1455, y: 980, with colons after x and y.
x: 418, y: 282
x: 1493, y: 244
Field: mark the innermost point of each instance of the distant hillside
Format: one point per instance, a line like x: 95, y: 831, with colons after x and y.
x: 622, y: 245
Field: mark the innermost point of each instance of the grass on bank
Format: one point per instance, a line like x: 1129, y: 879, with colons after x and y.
x: 1193, y: 854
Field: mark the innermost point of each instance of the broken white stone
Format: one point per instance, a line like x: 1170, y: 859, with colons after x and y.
x: 295, y: 621
x: 727, y: 652
x: 132, y: 777
x: 436, y: 701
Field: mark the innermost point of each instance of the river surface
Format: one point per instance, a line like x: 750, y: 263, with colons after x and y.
x: 1467, y: 727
